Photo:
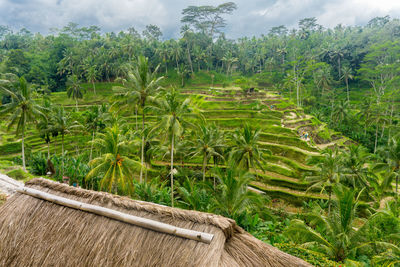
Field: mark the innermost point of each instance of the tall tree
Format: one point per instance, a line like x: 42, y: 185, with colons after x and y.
x: 113, y: 164
x: 347, y: 75
x: 328, y: 174
x: 141, y: 84
x: 340, y: 234
x: 173, y: 115
x: 22, y: 109
x: 208, y: 143
x: 74, y: 90
x: 246, y: 150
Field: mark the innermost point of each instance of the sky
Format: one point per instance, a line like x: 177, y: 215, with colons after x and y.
x: 253, y: 17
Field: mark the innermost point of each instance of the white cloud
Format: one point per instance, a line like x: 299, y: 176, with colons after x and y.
x: 253, y: 17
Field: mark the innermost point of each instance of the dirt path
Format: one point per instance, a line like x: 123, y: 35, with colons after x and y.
x: 8, y: 185
x: 323, y: 146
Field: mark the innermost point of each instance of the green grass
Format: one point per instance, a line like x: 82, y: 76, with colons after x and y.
x: 286, y: 140
x: 289, y: 196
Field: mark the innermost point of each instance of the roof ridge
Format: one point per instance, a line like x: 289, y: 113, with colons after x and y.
x: 227, y: 225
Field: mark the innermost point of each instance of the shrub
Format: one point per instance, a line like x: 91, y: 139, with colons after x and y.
x: 309, y: 256
x: 37, y: 163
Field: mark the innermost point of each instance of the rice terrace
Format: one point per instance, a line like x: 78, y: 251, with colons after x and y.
x: 206, y: 141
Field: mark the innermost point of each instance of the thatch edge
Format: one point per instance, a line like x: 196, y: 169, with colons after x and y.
x: 228, y: 226
x: 120, y: 216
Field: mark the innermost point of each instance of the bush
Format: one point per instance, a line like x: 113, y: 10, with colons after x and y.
x: 309, y: 256
x: 37, y: 164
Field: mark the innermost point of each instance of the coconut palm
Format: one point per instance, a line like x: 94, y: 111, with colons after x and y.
x: 172, y: 118
x: 139, y: 85
x: 91, y: 76
x: 339, y: 234
x: 328, y: 173
x: 209, y: 143
x: 356, y: 171
x: 45, y: 125
x: 340, y: 112
x: 74, y: 90
x: 246, y: 151
x: 232, y: 197
x: 114, y: 165
x: 391, y: 153
x: 63, y: 124
x: 346, y: 75
x: 22, y: 109
x: 389, y: 258
x: 95, y: 119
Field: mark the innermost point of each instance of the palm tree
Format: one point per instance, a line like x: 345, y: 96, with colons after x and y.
x: 340, y: 112
x: 354, y: 161
x: 209, y: 143
x: 366, y: 112
x: 328, y: 172
x: 91, y: 76
x: 63, y: 124
x: 74, y: 90
x: 45, y: 125
x: 172, y: 118
x: 140, y: 84
x: 182, y: 72
x: 391, y: 153
x: 195, y: 195
x: 114, y: 165
x: 389, y: 258
x: 339, y: 234
x: 95, y: 119
x: 176, y: 51
x: 232, y: 197
x: 245, y: 148
x: 346, y: 75
x: 22, y: 109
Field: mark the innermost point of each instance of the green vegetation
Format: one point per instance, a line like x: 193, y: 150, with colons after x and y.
x: 295, y: 135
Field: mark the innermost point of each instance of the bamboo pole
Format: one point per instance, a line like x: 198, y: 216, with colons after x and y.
x: 116, y: 215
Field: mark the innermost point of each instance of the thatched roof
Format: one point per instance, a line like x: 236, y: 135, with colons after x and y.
x: 35, y: 232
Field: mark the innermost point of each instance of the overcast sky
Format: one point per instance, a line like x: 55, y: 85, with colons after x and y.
x: 253, y: 17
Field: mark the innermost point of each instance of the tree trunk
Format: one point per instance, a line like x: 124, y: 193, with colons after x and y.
x: 145, y: 173
x: 142, y: 149
x: 91, y: 148
x: 347, y: 87
x: 204, y: 166
x: 48, y: 150
x: 172, y: 168
x: 376, y: 138
x: 329, y: 202
x: 136, y: 114
x: 94, y: 87
x: 55, y: 145
x: 189, y: 58
x: 76, y: 104
x: 62, y: 154
x: 23, y: 149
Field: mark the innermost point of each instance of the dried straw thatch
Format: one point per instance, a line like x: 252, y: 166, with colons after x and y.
x: 35, y: 232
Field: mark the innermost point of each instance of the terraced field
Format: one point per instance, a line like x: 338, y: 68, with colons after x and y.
x: 281, y: 123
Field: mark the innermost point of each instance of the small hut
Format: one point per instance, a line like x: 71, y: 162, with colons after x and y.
x: 42, y: 231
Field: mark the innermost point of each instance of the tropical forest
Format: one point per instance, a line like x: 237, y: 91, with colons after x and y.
x: 294, y: 134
